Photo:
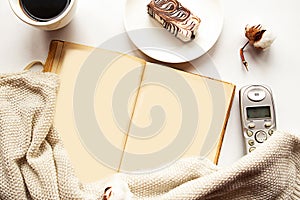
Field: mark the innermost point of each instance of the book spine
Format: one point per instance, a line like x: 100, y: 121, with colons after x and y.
x: 54, y: 55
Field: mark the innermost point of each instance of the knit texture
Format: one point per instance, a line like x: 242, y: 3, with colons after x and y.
x: 35, y: 165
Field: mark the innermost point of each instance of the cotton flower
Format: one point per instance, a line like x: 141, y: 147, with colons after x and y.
x: 117, y: 189
x: 258, y: 37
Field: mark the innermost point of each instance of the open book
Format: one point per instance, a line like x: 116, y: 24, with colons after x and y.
x: 119, y: 113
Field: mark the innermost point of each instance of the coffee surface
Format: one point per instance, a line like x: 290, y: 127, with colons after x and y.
x: 44, y: 10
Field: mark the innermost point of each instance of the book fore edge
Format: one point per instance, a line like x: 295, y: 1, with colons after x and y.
x: 222, y: 134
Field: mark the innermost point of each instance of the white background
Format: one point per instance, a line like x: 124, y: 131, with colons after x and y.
x: 97, y: 21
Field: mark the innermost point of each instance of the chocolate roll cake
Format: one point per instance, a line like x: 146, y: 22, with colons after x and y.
x: 175, y: 18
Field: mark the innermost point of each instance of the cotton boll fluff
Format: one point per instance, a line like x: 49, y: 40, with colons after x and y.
x: 258, y: 37
x: 117, y: 189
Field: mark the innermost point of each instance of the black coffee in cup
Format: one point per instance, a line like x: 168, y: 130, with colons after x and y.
x: 44, y: 10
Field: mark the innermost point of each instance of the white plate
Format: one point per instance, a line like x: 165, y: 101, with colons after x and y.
x: 149, y: 36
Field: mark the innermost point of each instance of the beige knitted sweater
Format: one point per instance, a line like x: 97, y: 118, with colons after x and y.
x: 35, y: 165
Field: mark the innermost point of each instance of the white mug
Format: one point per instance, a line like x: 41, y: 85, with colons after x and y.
x: 55, y: 23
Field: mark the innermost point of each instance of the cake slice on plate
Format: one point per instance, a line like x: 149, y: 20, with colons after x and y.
x: 176, y: 18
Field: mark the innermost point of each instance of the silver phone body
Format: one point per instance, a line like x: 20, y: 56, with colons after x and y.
x: 257, y: 115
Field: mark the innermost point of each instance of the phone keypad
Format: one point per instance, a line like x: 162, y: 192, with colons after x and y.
x: 251, y: 125
x: 268, y: 124
x: 271, y: 131
x: 250, y: 133
x: 252, y: 149
x: 260, y: 136
x: 251, y: 142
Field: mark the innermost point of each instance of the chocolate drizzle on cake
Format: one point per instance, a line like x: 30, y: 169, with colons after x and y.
x: 175, y: 18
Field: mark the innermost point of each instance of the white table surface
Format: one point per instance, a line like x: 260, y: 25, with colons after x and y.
x: 97, y: 21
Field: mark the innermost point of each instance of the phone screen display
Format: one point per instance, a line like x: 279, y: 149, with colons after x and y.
x: 258, y: 112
